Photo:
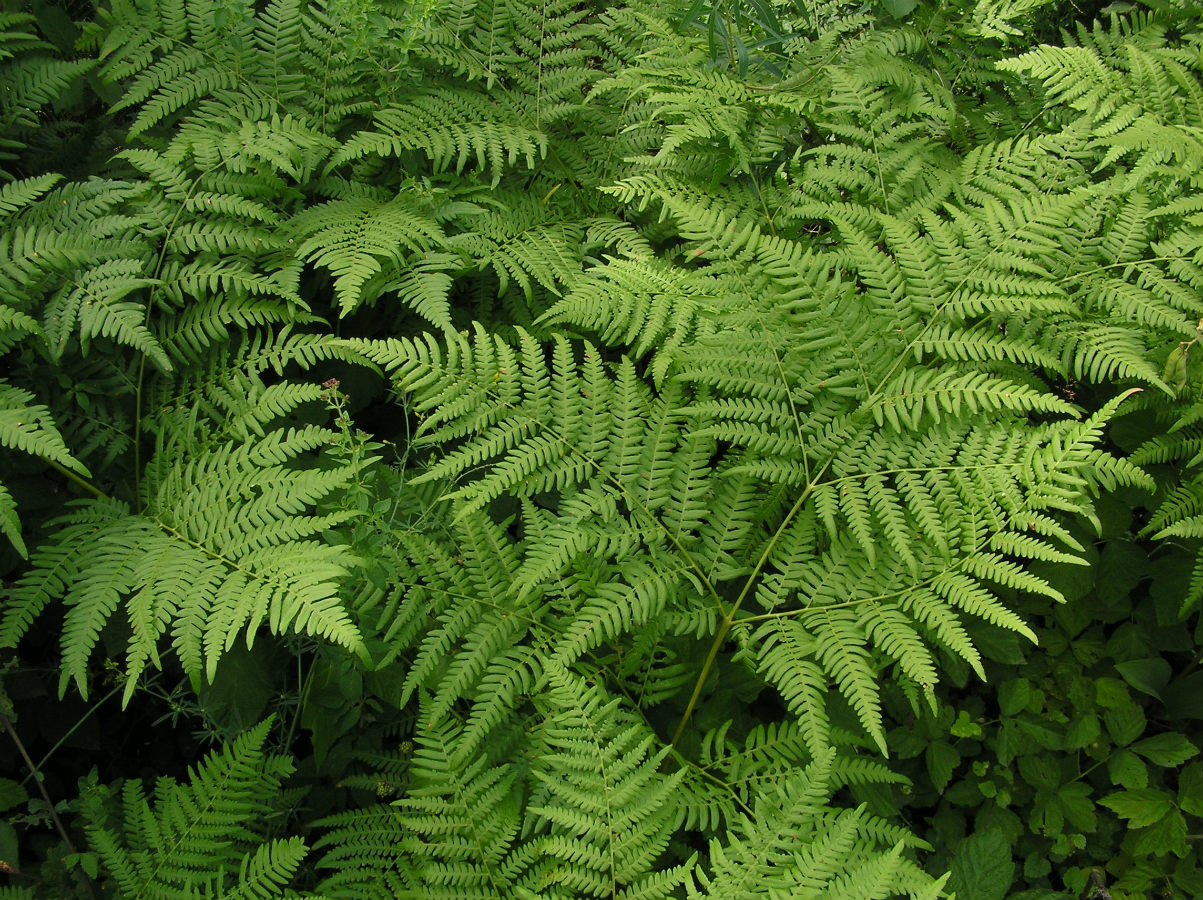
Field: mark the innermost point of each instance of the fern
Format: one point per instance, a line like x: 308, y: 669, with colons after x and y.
x: 356, y: 238
x: 527, y: 444
x: 747, y: 372
x: 195, y: 839
x: 222, y: 545
x: 32, y: 78
x: 598, y: 807
x: 794, y: 845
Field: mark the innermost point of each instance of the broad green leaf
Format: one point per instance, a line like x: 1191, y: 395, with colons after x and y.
x: 1082, y: 731
x: 965, y: 727
x: 1150, y: 676
x: 1120, y: 568
x: 1167, y: 835
x: 1013, y: 696
x: 1125, y: 723
x: 1111, y: 692
x: 1190, y: 789
x: 982, y: 867
x: 942, y: 758
x: 1127, y: 770
x: 899, y: 8
x: 1041, y: 731
x: 1141, y: 806
x: 1047, y: 816
x: 1167, y: 749
x: 1040, y: 770
x: 9, y: 846
x: 11, y: 794
x: 1079, y: 808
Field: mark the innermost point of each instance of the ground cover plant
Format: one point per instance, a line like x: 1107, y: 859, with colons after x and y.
x: 560, y: 449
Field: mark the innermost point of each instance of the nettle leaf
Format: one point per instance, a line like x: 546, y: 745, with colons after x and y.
x: 1127, y: 770
x: 1190, y: 789
x: 1166, y: 835
x: 1149, y: 676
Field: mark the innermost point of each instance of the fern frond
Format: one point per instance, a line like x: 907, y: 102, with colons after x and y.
x: 16, y: 195
x: 200, y: 833
x: 356, y: 239
x: 451, y: 127
x: 30, y: 428
x: 96, y: 303
x: 603, y: 808
x: 224, y: 545
x: 457, y: 823
x: 643, y: 304
x: 793, y: 846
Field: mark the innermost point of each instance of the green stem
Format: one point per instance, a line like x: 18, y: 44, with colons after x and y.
x: 77, y: 479
x: 292, y: 726
x: 729, y: 616
x: 45, y: 759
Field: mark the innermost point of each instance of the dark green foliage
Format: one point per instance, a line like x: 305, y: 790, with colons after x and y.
x: 1079, y: 758
x: 762, y: 399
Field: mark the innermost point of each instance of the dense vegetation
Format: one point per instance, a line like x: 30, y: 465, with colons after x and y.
x: 536, y: 448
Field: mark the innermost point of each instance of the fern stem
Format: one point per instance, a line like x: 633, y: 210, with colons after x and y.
x: 729, y: 616
x: 719, y: 637
x: 292, y: 726
x: 79, y: 480
x: 33, y: 770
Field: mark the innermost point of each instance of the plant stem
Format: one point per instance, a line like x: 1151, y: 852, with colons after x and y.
x: 78, y: 479
x: 304, y: 698
x: 33, y: 770
x: 729, y: 616
x: 70, y: 732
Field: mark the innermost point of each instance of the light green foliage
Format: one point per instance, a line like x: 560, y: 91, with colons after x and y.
x: 741, y: 377
x: 202, y: 839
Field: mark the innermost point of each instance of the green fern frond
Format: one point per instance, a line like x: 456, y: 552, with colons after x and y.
x: 452, y: 832
x: 10, y: 524
x: 16, y: 195
x: 793, y: 846
x: 785, y: 657
x: 614, y: 609
x: 917, y: 392
x: 451, y: 127
x: 32, y: 79
x: 362, y: 848
x: 643, y: 304
x: 356, y: 239
x: 30, y: 428
x: 196, y: 839
x: 95, y: 304
x: 603, y: 810
x: 994, y: 20
x: 1131, y: 90
x: 224, y: 544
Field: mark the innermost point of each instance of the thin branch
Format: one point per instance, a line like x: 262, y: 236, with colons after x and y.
x: 33, y: 770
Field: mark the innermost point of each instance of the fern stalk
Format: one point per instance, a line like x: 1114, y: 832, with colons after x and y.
x: 729, y: 615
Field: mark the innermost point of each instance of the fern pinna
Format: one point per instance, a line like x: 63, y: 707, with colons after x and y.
x: 719, y: 406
